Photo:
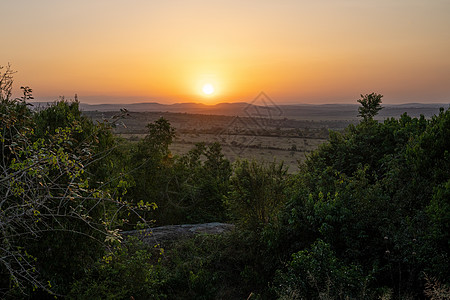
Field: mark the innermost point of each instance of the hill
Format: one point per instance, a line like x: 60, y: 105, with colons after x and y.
x: 300, y: 111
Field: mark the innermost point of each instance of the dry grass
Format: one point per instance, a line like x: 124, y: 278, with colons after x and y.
x: 261, y: 148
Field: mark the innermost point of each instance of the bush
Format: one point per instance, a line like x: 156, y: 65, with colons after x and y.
x: 257, y: 192
x: 316, y: 273
x: 228, y: 266
x: 54, y: 222
x: 378, y: 195
x: 129, y: 271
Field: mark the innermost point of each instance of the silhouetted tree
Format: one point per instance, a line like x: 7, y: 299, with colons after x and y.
x: 370, y: 106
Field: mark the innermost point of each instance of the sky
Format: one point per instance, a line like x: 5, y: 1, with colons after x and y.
x: 327, y: 51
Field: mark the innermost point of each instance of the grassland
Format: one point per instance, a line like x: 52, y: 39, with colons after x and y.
x: 263, y: 139
x: 288, y: 137
x: 291, y: 150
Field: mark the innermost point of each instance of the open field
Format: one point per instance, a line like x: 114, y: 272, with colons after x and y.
x: 256, y: 147
x: 263, y: 136
x: 261, y: 139
x: 135, y: 122
x: 291, y: 150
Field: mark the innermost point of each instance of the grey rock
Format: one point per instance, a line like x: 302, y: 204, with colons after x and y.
x: 169, y: 233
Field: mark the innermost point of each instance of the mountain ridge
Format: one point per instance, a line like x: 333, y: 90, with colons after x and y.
x: 303, y: 111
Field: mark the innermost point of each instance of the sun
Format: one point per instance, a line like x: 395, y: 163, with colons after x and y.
x: 208, y: 89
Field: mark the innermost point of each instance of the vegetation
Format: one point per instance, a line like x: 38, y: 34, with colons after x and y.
x: 370, y: 106
x: 367, y: 216
x: 49, y: 204
x: 257, y: 193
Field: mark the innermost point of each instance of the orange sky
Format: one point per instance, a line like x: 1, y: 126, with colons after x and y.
x: 326, y: 51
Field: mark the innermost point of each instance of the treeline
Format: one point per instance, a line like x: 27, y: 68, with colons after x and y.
x: 367, y: 216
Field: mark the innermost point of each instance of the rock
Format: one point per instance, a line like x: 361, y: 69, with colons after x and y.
x: 169, y: 233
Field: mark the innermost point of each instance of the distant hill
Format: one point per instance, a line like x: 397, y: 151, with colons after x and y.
x: 300, y: 111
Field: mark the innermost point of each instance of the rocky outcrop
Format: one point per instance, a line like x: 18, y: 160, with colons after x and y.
x: 162, y: 235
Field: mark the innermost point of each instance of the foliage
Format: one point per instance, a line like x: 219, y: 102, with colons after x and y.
x: 42, y: 186
x: 257, y: 192
x: 200, y: 181
x: 160, y: 136
x: 150, y: 166
x: 370, y: 106
x: 106, y: 169
x: 186, y: 189
x: 378, y: 195
x: 129, y: 271
x: 48, y: 207
x: 316, y: 273
x: 191, y: 268
x: 227, y: 266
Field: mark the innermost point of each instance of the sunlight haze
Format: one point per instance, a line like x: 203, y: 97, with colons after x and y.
x: 167, y: 51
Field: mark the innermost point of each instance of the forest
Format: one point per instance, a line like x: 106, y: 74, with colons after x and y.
x: 366, y: 216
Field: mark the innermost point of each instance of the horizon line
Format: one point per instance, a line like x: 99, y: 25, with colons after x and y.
x: 240, y: 102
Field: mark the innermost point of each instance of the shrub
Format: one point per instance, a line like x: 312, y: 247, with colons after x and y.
x: 129, y: 271
x: 317, y: 273
x: 257, y: 192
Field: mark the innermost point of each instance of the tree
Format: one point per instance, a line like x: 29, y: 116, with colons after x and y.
x: 257, y: 192
x: 370, y: 106
x: 6, y: 82
x: 159, y: 138
x: 378, y: 194
x: 200, y: 181
x: 316, y: 273
x: 186, y: 189
x: 53, y: 223
x: 42, y: 190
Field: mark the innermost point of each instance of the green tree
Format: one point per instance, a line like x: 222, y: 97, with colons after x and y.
x: 378, y: 195
x: 159, y: 138
x: 151, y: 165
x: 93, y: 145
x: 316, y: 273
x: 43, y: 191
x: 129, y: 271
x: 257, y: 192
x: 200, y: 183
x: 370, y: 106
x: 53, y: 223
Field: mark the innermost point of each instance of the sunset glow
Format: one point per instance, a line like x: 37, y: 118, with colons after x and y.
x: 208, y: 89
x: 167, y: 51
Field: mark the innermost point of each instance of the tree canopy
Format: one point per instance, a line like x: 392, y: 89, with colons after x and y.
x: 370, y: 106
